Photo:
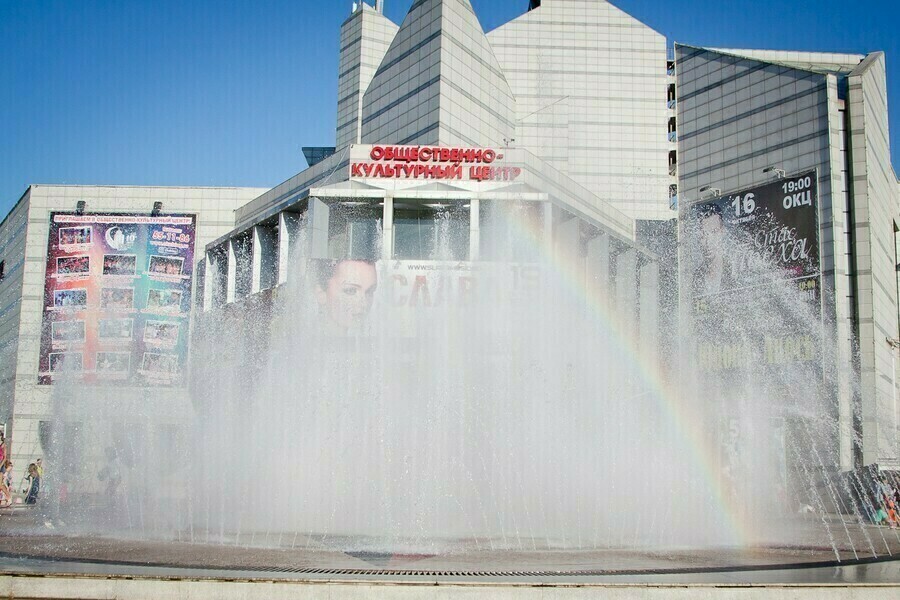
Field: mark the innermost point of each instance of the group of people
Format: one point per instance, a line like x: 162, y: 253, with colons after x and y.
x: 165, y: 266
x: 31, y: 483
x: 887, y: 499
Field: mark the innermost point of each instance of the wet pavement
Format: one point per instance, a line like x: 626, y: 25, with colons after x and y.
x: 28, y: 546
x: 882, y: 572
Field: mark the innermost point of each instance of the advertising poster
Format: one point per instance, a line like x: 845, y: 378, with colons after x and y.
x: 346, y: 292
x: 117, y: 298
x: 754, y: 275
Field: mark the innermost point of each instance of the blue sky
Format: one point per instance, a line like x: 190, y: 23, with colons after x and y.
x: 175, y: 92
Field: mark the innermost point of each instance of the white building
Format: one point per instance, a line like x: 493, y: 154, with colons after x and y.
x: 537, y: 90
x: 575, y: 101
x: 24, y: 404
x: 742, y: 114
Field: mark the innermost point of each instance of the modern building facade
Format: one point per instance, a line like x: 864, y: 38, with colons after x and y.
x: 24, y: 403
x: 578, y: 83
x: 590, y: 86
x: 746, y: 116
x: 564, y: 117
x: 568, y: 101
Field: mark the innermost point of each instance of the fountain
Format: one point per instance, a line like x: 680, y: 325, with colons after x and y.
x: 506, y: 408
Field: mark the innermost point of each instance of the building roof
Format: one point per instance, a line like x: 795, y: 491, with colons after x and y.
x: 817, y: 62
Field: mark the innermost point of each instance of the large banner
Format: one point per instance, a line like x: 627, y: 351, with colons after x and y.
x: 117, y: 298
x: 346, y: 291
x: 754, y: 275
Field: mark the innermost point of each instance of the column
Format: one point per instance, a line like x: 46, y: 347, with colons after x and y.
x: 256, y: 261
x: 649, y: 313
x: 387, y: 228
x: 597, y: 267
x: 548, y: 223
x: 231, y: 282
x: 209, y: 281
x: 264, y: 265
x: 284, y: 247
x: 474, y: 228
x: 316, y: 226
x: 566, y: 238
x: 626, y: 289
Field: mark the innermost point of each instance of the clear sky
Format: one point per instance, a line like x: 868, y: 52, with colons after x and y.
x: 196, y: 92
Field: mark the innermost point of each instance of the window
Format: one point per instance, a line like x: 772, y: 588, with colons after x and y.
x: 431, y: 231
x: 2, y: 269
x: 354, y: 230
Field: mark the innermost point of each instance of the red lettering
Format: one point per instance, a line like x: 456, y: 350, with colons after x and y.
x: 399, y: 281
x: 420, y: 284
x: 454, y: 157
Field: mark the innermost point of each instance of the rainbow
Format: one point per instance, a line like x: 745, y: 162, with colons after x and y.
x: 683, y: 418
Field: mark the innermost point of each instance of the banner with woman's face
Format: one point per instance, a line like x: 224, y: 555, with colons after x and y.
x: 753, y: 275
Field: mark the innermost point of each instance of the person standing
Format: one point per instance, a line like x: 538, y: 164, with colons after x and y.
x: 32, y: 485
x: 5, y: 479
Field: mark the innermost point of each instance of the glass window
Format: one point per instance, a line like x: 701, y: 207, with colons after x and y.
x: 243, y: 256
x: 217, y: 278
x: 437, y: 231
x: 354, y: 230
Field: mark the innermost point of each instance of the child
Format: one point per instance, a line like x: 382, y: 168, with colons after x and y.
x: 33, y: 485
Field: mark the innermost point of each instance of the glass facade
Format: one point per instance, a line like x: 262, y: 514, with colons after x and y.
x: 354, y: 230
x: 438, y: 231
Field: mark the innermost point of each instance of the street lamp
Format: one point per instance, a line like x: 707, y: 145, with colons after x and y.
x: 779, y: 173
x: 711, y: 190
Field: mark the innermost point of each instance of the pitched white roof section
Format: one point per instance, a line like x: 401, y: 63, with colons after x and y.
x: 439, y: 83
x: 365, y: 39
x: 820, y: 62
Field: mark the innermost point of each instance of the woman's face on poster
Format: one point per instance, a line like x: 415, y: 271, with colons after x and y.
x: 348, y: 295
x: 712, y: 232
